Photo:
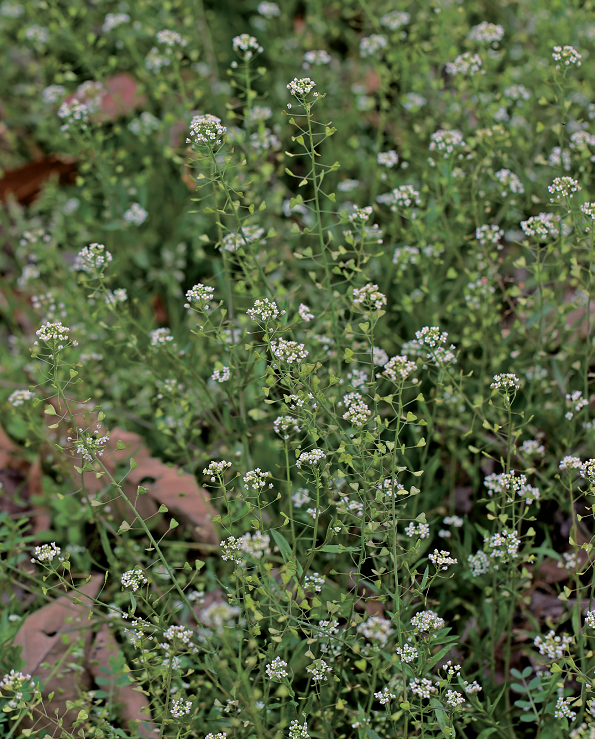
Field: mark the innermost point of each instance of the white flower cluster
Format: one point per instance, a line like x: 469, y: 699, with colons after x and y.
x: 588, y: 469
x: 133, y: 579
x: 357, y: 412
x: 590, y: 619
x: 38, y: 34
x: 301, y: 87
x: 504, y: 546
x: 588, y: 209
x: 517, y: 92
x: 371, y: 45
x: 385, y: 696
x: 93, y: 259
x: 74, y: 111
x: 257, y: 113
x: 160, y: 337
x: 467, y: 63
x: 297, y: 730
x: 206, y: 130
x: 508, y: 382
x: 486, y: 33
x: 567, y: 55
x: 216, y: 469
x: 276, y: 669
x: 563, y: 187
x: 54, y: 332
x: 489, y: 234
x: 180, y: 707
x: 473, y: 687
x: 388, y: 158
x: 230, y: 550
x: 421, y: 530
x: 269, y: 10
x: 248, y: 45
x: 285, y: 426
x: 136, y: 214
x: 431, y: 336
x: 313, y: 583
x: 398, y: 369
x: 511, y: 482
x: 425, y: 622
x: 248, y: 234
x: 20, y: 397
x: 478, y: 293
x: 368, y: 297
x: 200, y: 295
x: 318, y: 58
x: 305, y: 313
x: 543, y: 225
x: 376, y: 629
x: 319, y: 670
x: 311, y: 458
x: 407, y: 653
x: 479, y: 563
x: 52, y: 94
x: 563, y: 709
x: 46, y: 553
x: 422, y: 687
x: 264, y: 310
x: 17, y: 683
x: 401, y: 197
x: 144, y: 125
x: 552, y: 646
x: 255, y: 544
x: 112, y: 20
x: 508, y: 179
x: 581, y: 140
x: 395, y: 19
x: 576, y: 401
x: 442, y: 559
x: 178, y: 634
x: 257, y: 479
x: 264, y: 140
x: 288, y: 351
x: 446, y: 141
x: 360, y: 214
x: 170, y: 38
x: 531, y: 448
x: 454, y: 698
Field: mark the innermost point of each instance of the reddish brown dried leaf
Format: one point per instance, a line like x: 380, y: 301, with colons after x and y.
x: 25, y: 182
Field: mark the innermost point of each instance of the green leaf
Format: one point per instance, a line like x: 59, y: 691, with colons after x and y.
x: 49, y: 410
x: 124, y: 526
x: 133, y: 464
x: 173, y: 523
x: 283, y: 545
x: 163, y: 509
x: 199, y: 564
x: 120, y: 444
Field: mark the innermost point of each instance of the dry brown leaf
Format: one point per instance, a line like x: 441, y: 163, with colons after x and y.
x: 169, y: 486
x: 45, y: 638
x: 135, y: 706
x: 25, y: 183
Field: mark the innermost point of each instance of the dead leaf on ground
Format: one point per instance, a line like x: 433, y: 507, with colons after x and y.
x: 134, y: 705
x: 169, y: 486
x: 25, y: 182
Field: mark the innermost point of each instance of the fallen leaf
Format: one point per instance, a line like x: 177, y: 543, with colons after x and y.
x: 135, y: 706
x: 25, y: 182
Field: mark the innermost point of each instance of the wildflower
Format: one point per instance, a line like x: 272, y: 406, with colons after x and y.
x: 297, y: 731
x: 264, y: 310
x: 112, y: 20
x: 413, y: 101
x: 563, y: 709
x: 395, y: 19
x: 170, y: 38
x: 46, y: 553
x: 532, y: 448
x: 421, y: 530
x: 466, y: 63
x: 569, y: 562
x: 160, y: 337
x: 300, y: 497
x: 404, y: 196
x: 319, y: 670
x: 316, y: 57
x: 431, y: 336
x: 563, y: 187
x: 559, y: 158
x: 368, y: 296
x: 220, y: 735
x: 117, y: 296
x: 385, y: 696
x: 248, y: 45
x: 284, y: 426
x: 507, y: 382
x: 517, y: 92
x: 305, y: 313
x: 145, y: 124
x: 423, y: 688
x: 180, y: 708
x: 486, y: 33
x: 360, y: 214
x: 479, y: 563
x: 425, y: 622
x: 221, y: 375
x: 269, y: 10
x: 232, y: 241
x: 230, y: 550
x: 257, y: 479
x: 52, y: 94
x: 543, y: 225
x: 311, y: 458
x: 256, y: 544
x: 446, y: 141
x: 178, y: 634
x: 455, y: 521
x: 454, y: 699
x: 588, y: 210
x: 504, y: 547
x: 398, y: 369
x: 313, y: 583
x: 288, y: 351
x: 16, y: 682
x: 54, y: 334
x: 20, y: 397
x: 570, y: 463
x: 206, y: 130
x: 388, y: 158
x: 407, y: 653
x: 133, y: 579
x: 508, y: 179
x: 136, y: 214
x: 473, y: 687
x: 11, y: 10
x: 377, y: 629
x: 442, y: 559
x: 370, y: 45
x: 357, y: 412
x: 301, y: 87
x: 276, y: 669
x: 74, y: 111
x: 567, y: 55
x: 487, y: 234
x: 379, y: 356
x: 200, y: 295
x: 590, y: 619
x: 93, y: 259
x: 216, y: 469
x: 38, y: 34
x: 588, y: 469
x: 314, y: 512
